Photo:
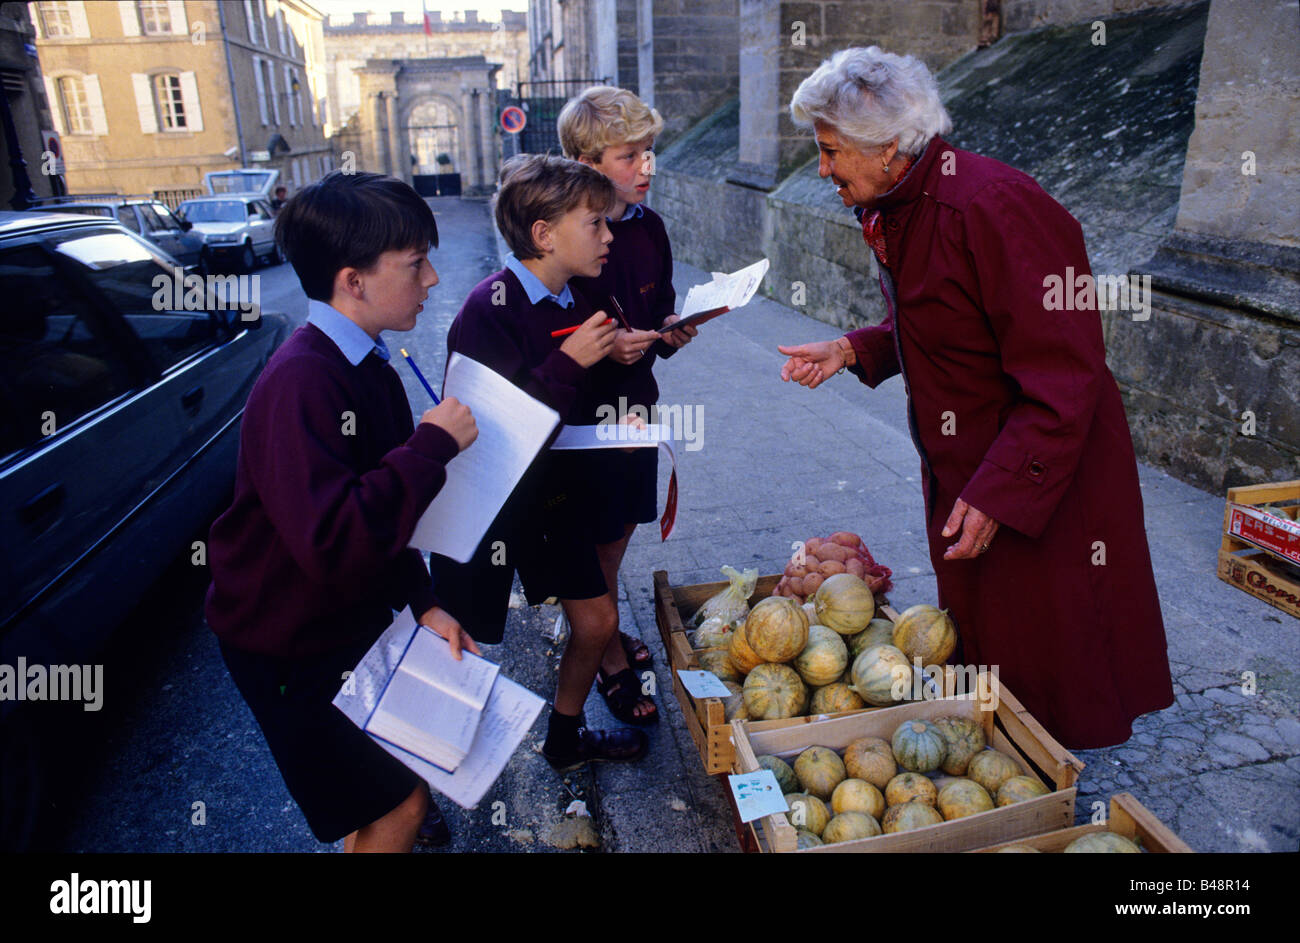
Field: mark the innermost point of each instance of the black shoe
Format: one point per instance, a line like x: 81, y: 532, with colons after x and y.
x: 622, y: 744
x: 433, y: 831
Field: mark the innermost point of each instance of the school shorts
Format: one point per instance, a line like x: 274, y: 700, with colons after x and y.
x: 340, y: 778
x: 626, y: 489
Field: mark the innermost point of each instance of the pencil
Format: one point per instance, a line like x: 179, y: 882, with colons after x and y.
x: 618, y: 309
x: 421, y: 378
x: 564, y: 331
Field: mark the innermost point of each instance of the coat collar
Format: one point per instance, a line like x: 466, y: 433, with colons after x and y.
x: 914, y: 184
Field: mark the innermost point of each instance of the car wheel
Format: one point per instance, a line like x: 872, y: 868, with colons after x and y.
x: 277, y: 254
x: 248, y: 260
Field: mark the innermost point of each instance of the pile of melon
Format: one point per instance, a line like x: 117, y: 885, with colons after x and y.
x: 824, y: 557
x: 1092, y: 843
x: 826, y: 656
x: 930, y: 772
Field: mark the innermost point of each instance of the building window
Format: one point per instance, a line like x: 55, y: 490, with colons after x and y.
x: 75, y: 106
x: 56, y: 18
x: 170, y: 101
x: 255, y: 14
x: 155, y: 17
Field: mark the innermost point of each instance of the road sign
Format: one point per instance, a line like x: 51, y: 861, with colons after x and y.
x: 513, y: 119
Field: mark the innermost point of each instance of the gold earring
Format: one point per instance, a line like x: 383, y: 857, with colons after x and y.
x: 884, y: 165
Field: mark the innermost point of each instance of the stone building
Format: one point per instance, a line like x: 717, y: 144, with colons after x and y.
x: 30, y: 154
x: 149, y: 95
x: 1166, y: 126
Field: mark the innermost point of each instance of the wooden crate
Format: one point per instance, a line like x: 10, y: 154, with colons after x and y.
x: 1251, y: 568
x: 1008, y: 727
x: 705, y: 719
x: 1128, y: 817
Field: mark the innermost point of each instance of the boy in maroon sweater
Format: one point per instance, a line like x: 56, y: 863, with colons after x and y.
x: 311, y: 559
x: 613, y: 131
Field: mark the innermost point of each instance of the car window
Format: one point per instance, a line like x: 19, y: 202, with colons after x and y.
x: 151, y: 220
x: 170, y: 316
x: 216, y: 211
x: 165, y: 217
x: 56, y: 365
x: 259, y: 210
x: 126, y: 216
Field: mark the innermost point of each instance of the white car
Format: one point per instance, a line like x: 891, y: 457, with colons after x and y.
x: 236, y: 229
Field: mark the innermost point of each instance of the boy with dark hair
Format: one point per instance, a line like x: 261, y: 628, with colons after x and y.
x: 310, y: 561
x: 551, y: 212
x: 612, y: 130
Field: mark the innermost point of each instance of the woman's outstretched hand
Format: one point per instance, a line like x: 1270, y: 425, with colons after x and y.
x: 811, y: 364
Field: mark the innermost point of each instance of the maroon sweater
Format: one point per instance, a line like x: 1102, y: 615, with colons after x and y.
x: 330, y: 483
x: 639, y: 273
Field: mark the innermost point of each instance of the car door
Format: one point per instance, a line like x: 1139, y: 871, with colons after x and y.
x: 263, y: 226
x: 159, y: 233
x: 189, y: 245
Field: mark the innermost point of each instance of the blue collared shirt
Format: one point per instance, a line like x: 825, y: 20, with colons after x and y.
x: 534, y: 287
x: 353, y: 342
x: 633, y: 210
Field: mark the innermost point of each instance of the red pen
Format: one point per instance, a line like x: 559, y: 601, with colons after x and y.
x: 569, y: 330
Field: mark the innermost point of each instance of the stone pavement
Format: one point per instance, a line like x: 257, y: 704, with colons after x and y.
x: 780, y: 463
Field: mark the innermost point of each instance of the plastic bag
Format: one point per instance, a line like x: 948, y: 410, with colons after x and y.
x: 732, y: 604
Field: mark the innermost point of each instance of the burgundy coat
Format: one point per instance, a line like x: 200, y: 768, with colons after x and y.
x: 1013, y: 409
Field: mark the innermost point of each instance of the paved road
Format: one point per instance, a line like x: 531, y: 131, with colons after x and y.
x: 778, y: 463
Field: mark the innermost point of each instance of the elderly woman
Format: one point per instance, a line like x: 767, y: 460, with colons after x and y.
x: 1033, y: 512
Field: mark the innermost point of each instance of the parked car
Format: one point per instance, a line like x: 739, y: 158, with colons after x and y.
x: 235, y: 229
x: 149, y: 218
x: 119, y: 428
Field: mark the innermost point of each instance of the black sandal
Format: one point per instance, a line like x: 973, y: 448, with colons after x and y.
x: 622, y: 694
x: 600, y: 746
x: 638, y: 655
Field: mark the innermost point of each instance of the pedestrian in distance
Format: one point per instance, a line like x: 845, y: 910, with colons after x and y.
x: 1033, y: 510
x: 311, y: 559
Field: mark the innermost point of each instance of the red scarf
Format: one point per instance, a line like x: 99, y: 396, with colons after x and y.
x: 873, y: 230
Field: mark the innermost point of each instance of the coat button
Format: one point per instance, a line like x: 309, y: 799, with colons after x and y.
x: 892, y: 224
x: 1036, y: 468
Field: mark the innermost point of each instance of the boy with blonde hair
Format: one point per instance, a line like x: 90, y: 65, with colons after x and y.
x: 613, y: 131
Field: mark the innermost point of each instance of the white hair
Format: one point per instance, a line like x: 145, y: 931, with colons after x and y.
x: 871, y: 97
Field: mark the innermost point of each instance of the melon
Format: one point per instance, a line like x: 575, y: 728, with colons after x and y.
x: 1105, y: 842
x: 964, y: 738
x: 850, y: 826
x: 961, y: 798
x: 882, y: 675
x: 823, y: 659
x: 834, y: 698
x: 785, y: 777
x: 719, y: 662
x: 864, y: 759
x: 910, y: 787
x: 742, y: 655
x: 857, y: 795
x: 991, y: 769
x: 777, y: 629
x: 733, y: 707
x: 844, y: 603
x: 927, y: 633
x: 819, y: 770
x: 1019, y: 849
x: 909, y: 815
x: 1019, y: 788
x: 773, y: 692
x: 877, y: 632
x: 807, y: 812
x: 919, y: 746
x: 806, y: 839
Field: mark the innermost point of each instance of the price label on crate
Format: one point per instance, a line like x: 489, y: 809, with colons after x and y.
x: 757, y: 794
x: 701, y: 684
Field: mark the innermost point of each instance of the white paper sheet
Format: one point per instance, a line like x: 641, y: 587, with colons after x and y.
x: 510, y: 712
x: 725, y: 291
x: 512, y: 428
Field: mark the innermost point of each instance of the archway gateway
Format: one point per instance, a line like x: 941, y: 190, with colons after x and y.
x: 431, y: 119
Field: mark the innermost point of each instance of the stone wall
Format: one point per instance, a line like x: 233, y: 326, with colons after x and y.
x: 1020, y: 15
x: 695, y: 59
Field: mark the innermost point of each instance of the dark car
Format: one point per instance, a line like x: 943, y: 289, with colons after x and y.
x: 119, y: 427
x: 149, y: 218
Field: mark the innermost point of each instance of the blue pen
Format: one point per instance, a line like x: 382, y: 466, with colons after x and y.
x: 420, y: 376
